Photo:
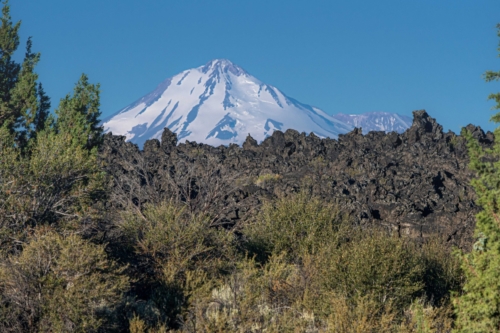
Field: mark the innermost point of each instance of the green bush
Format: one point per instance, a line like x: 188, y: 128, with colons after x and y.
x: 55, y: 178
x: 59, y: 284
x: 295, y: 225
x: 275, y: 297
x: 56, y: 185
x: 443, y: 274
x: 372, y: 262
x: 177, y: 255
x: 331, y: 257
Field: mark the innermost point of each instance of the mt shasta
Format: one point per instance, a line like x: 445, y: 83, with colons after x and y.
x: 220, y: 103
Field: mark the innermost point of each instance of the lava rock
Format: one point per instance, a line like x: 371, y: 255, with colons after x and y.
x: 416, y: 183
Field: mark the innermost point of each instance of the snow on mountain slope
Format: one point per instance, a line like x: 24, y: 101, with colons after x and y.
x: 376, y: 121
x: 218, y: 103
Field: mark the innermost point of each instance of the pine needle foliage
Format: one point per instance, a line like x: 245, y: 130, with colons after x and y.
x: 490, y: 76
x: 478, y: 308
x: 24, y: 107
x: 78, y: 114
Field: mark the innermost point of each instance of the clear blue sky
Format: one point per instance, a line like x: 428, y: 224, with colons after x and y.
x: 342, y: 56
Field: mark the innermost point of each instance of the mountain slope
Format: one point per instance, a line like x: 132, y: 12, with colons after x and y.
x: 219, y: 103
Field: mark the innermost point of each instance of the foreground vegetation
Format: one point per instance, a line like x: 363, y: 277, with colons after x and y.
x: 72, y: 262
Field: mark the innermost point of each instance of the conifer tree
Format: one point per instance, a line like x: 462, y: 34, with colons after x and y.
x: 59, y: 180
x: 9, y: 69
x: 53, y: 277
x: 43, y: 112
x: 24, y: 107
x: 78, y: 114
x: 478, y: 308
x: 24, y: 99
x: 490, y: 76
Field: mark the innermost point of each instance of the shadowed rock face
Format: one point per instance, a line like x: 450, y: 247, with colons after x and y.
x: 416, y: 183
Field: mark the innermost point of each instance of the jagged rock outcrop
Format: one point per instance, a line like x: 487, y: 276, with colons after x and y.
x: 416, y: 183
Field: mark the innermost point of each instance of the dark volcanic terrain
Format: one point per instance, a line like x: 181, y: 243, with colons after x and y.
x: 416, y: 183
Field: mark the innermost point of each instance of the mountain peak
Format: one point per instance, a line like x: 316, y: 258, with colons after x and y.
x: 224, y: 66
x: 220, y: 103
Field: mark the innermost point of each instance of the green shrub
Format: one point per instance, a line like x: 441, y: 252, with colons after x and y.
x: 177, y: 254
x: 55, y: 179
x: 424, y: 318
x: 294, y: 225
x: 174, y: 240
x: 443, y: 274
x: 272, y: 298
x: 331, y: 257
x: 59, y: 284
x: 372, y: 262
x: 253, y: 298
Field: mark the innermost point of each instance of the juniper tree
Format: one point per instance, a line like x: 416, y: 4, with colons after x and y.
x: 48, y: 168
x: 78, y: 114
x: 42, y: 114
x: 9, y: 69
x: 24, y: 106
x: 478, y: 308
x: 490, y: 76
x: 59, y: 182
x: 53, y: 277
x: 24, y: 99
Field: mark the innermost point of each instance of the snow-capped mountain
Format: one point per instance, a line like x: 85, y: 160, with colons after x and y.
x: 219, y: 103
x: 376, y: 121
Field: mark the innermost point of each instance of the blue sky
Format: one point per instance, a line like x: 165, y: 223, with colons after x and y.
x: 342, y: 56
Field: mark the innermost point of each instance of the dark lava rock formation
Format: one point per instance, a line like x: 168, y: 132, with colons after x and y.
x: 416, y: 183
